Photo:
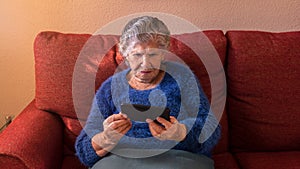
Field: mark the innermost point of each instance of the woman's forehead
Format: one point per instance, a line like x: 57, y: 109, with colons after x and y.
x: 137, y: 45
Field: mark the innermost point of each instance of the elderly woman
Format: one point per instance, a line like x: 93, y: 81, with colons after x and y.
x: 110, y: 139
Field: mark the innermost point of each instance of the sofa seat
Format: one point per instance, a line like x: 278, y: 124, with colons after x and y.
x: 269, y: 160
x: 225, y: 161
x: 72, y: 162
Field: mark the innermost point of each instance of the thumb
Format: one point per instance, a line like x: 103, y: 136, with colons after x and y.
x: 173, y: 120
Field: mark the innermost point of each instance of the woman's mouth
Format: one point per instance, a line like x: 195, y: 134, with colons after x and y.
x: 146, y: 71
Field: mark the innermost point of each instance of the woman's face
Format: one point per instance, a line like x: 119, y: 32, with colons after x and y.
x: 145, y: 60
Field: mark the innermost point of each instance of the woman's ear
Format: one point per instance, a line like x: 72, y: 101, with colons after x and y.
x: 163, y: 60
x: 165, y: 52
x: 126, y: 61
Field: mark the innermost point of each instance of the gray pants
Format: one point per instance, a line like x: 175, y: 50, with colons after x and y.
x: 172, y: 159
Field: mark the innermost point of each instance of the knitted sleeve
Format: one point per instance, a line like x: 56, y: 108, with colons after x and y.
x: 84, y: 150
x: 195, y: 115
x: 206, y: 130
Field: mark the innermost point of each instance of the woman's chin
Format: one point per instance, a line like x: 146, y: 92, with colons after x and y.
x: 145, y: 80
x: 145, y: 77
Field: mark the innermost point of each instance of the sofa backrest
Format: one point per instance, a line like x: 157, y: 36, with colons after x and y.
x: 67, y: 64
x: 263, y: 76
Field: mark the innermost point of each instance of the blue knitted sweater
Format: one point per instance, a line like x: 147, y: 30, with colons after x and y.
x: 179, y: 90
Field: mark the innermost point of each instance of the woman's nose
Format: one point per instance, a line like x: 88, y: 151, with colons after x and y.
x: 145, y: 61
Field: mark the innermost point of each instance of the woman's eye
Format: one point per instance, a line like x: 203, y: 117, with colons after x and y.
x: 137, y: 55
x: 152, y: 54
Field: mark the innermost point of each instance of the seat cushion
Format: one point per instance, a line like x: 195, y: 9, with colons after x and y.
x: 72, y: 162
x: 264, y: 90
x: 225, y: 161
x: 269, y: 160
x: 8, y: 162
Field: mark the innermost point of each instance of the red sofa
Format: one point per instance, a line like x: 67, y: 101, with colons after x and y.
x: 260, y: 123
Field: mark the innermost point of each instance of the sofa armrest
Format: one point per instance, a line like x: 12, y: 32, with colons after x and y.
x: 33, y: 140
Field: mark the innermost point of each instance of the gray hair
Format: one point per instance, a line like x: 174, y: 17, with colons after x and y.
x: 144, y: 29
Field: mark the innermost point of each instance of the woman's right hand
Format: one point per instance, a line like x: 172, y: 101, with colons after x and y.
x: 115, y: 127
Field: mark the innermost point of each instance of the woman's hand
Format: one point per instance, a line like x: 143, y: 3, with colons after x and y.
x: 115, y: 127
x: 171, y: 130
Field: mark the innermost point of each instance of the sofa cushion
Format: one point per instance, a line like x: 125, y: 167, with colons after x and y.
x: 264, y: 90
x: 8, y: 162
x: 265, y: 160
x: 57, y: 56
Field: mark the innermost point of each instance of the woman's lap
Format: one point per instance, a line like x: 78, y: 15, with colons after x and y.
x: 173, y: 159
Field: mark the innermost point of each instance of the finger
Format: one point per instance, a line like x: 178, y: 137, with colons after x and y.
x: 110, y: 119
x: 155, y: 128
x: 116, y: 124
x: 124, y: 129
x: 115, y: 117
x: 173, y: 119
x: 153, y: 132
x: 149, y: 121
x: 120, y: 116
x: 124, y: 115
x: 120, y: 131
x: 124, y: 126
x: 164, y: 122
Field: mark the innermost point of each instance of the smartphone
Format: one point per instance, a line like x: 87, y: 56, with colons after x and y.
x: 138, y: 112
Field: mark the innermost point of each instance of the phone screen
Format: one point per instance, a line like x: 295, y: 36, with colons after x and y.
x: 137, y: 112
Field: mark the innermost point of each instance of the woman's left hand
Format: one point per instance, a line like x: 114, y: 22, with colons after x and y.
x: 170, y: 130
